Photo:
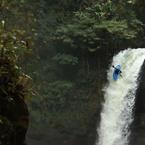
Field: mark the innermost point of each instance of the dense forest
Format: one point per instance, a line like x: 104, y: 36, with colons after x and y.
x: 54, y: 54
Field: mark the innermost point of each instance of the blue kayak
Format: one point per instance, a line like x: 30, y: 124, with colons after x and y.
x: 116, y: 73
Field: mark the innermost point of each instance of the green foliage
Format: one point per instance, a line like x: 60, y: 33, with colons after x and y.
x: 58, y: 90
x: 120, y: 29
x: 92, y: 27
x: 12, y: 43
x: 13, y: 87
x: 99, y: 11
x: 62, y: 109
x: 18, y: 26
x: 15, y: 43
x: 65, y: 59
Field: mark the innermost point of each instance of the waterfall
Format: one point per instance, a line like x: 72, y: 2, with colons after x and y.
x: 119, y: 96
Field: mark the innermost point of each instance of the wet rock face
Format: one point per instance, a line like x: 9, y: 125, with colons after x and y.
x: 138, y: 126
x: 140, y: 95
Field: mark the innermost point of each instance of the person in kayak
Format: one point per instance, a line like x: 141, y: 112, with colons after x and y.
x: 117, y: 71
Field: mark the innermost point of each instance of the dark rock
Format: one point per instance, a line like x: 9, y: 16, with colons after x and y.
x: 138, y: 126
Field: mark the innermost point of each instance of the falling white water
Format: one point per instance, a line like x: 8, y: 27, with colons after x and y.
x: 116, y: 115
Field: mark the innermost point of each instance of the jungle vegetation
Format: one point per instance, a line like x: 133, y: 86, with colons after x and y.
x: 66, y: 46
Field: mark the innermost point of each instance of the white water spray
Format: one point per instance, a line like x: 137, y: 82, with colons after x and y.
x: 116, y: 115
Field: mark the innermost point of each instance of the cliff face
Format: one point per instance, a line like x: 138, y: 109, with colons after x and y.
x: 138, y: 127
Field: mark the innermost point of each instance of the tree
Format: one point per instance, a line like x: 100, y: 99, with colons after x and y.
x: 14, y: 44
